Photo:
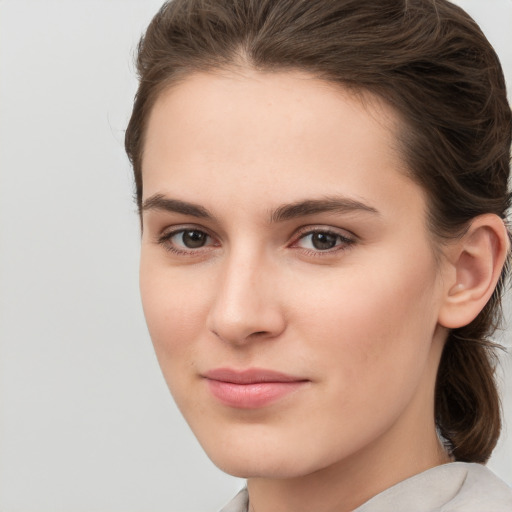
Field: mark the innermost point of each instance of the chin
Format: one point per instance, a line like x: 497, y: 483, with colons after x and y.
x: 257, y: 467
x: 257, y: 456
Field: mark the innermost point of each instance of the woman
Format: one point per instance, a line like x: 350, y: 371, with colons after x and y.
x: 323, y: 193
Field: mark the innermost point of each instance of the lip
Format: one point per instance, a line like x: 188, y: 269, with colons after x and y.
x: 251, y: 388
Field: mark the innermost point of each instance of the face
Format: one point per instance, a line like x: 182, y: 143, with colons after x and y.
x: 287, y: 274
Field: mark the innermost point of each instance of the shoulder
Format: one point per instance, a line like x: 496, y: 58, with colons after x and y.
x: 481, y: 490
x: 240, y: 503
x: 454, y: 487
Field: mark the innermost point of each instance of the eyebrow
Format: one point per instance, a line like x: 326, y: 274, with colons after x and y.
x: 280, y: 214
x: 323, y: 205
x: 160, y: 202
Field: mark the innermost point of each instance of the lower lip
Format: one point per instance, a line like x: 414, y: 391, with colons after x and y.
x: 251, y: 396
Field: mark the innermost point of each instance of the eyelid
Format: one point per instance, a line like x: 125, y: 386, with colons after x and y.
x: 163, y: 238
x: 322, y: 228
x: 347, y: 238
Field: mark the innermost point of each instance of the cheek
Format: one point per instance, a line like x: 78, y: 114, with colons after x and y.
x: 175, y: 304
x: 374, y: 322
x: 367, y: 337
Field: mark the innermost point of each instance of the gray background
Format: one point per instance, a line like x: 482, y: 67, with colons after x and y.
x: 86, y: 421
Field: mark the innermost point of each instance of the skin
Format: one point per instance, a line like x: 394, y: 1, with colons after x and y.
x: 359, y: 322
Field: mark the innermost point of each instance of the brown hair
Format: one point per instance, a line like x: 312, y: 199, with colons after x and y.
x: 431, y: 62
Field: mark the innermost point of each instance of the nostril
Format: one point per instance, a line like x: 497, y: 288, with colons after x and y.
x: 240, y: 337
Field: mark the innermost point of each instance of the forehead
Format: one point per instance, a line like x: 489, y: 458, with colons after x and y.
x: 262, y: 135
x: 289, y: 104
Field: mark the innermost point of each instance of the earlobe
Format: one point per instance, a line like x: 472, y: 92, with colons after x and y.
x: 477, y: 260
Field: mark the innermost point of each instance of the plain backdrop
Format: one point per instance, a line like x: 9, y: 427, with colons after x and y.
x: 86, y: 421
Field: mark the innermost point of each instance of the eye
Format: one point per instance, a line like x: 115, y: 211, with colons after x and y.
x: 323, y: 240
x: 190, y: 238
x: 185, y: 240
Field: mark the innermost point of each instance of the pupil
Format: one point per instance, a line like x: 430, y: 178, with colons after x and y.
x: 323, y: 241
x: 194, y: 239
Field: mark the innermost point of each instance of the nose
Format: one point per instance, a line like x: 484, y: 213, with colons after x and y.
x: 246, y: 305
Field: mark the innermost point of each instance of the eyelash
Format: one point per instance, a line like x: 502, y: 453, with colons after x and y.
x: 165, y: 241
x: 343, y: 242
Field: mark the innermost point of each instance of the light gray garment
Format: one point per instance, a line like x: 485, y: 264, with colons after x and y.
x: 454, y: 487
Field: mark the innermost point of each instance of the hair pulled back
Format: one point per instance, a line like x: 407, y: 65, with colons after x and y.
x: 431, y: 62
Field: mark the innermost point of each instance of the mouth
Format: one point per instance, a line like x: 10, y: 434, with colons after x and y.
x: 252, y: 388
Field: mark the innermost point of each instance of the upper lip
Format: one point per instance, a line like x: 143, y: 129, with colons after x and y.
x: 250, y: 376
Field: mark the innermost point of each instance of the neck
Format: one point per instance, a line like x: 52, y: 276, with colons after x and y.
x: 348, y: 484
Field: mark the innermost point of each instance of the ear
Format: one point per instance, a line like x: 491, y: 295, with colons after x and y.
x: 474, y: 264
